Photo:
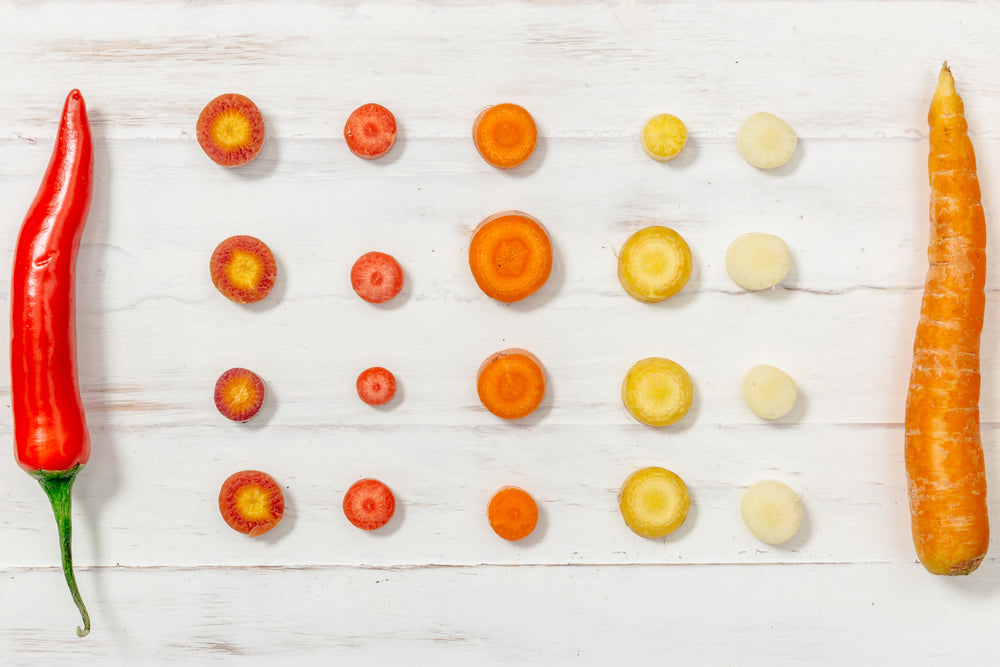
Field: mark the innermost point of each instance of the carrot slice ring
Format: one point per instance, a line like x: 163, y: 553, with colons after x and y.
x: 510, y: 256
x: 511, y: 383
x: 505, y: 135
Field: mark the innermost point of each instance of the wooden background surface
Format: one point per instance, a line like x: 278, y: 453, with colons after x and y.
x: 167, y: 581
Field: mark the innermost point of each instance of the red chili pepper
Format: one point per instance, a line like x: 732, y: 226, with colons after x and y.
x: 51, y: 440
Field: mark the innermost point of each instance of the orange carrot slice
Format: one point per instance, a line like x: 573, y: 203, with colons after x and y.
x: 251, y: 502
x: 239, y: 394
x: 510, y: 256
x: 513, y: 513
x: 511, y: 383
x: 370, y: 131
x: 505, y: 135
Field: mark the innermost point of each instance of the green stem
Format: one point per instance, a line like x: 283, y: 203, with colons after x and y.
x: 57, y: 486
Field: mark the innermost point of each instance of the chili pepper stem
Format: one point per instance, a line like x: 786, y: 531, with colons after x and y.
x: 57, y: 486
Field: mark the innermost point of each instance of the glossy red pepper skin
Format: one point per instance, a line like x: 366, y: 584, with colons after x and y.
x: 51, y: 440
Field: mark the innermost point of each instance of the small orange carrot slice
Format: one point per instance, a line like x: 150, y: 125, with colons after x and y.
x: 511, y: 383
x: 505, y: 135
x: 510, y: 256
x: 513, y: 513
x: 251, y: 502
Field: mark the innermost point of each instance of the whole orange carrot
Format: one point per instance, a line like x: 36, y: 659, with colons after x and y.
x: 944, y: 454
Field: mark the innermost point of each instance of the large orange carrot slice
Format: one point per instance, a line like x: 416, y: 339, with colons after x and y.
x: 510, y: 256
x: 505, y: 135
x: 511, y: 383
x: 944, y: 454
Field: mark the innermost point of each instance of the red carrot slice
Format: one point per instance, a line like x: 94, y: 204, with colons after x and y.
x: 513, y: 513
x: 251, y: 502
x: 370, y: 131
x: 369, y: 504
x: 376, y: 277
x: 230, y: 130
x: 239, y: 394
x: 376, y: 385
x: 243, y: 269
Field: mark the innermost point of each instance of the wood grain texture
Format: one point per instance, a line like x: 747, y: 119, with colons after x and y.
x: 168, y: 582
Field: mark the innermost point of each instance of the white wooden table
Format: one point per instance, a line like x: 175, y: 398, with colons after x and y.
x: 168, y: 582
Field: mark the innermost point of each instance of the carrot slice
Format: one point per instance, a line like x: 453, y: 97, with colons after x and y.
x: 505, y: 135
x: 376, y: 385
x: 370, y: 131
x: 369, y: 504
x: 243, y: 269
x: 513, y: 513
x: 510, y: 256
x: 251, y: 502
x: 511, y: 383
x: 239, y: 394
x: 230, y: 130
x: 376, y: 277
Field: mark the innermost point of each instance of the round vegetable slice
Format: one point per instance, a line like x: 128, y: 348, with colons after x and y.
x: 370, y: 131
x: 239, y: 394
x: 513, y: 513
x: 654, y: 264
x: 766, y: 141
x: 510, y: 256
x: 369, y: 504
x: 757, y: 261
x: 769, y: 392
x: 251, y: 502
x: 657, y: 391
x: 771, y: 511
x: 243, y: 269
x: 505, y: 135
x: 230, y: 130
x: 376, y: 277
x: 511, y: 383
x: 376, y: 385
x: 654, y: 502
x: 664, y: 137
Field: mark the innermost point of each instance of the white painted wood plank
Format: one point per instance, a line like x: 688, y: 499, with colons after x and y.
x: 851, y: 613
